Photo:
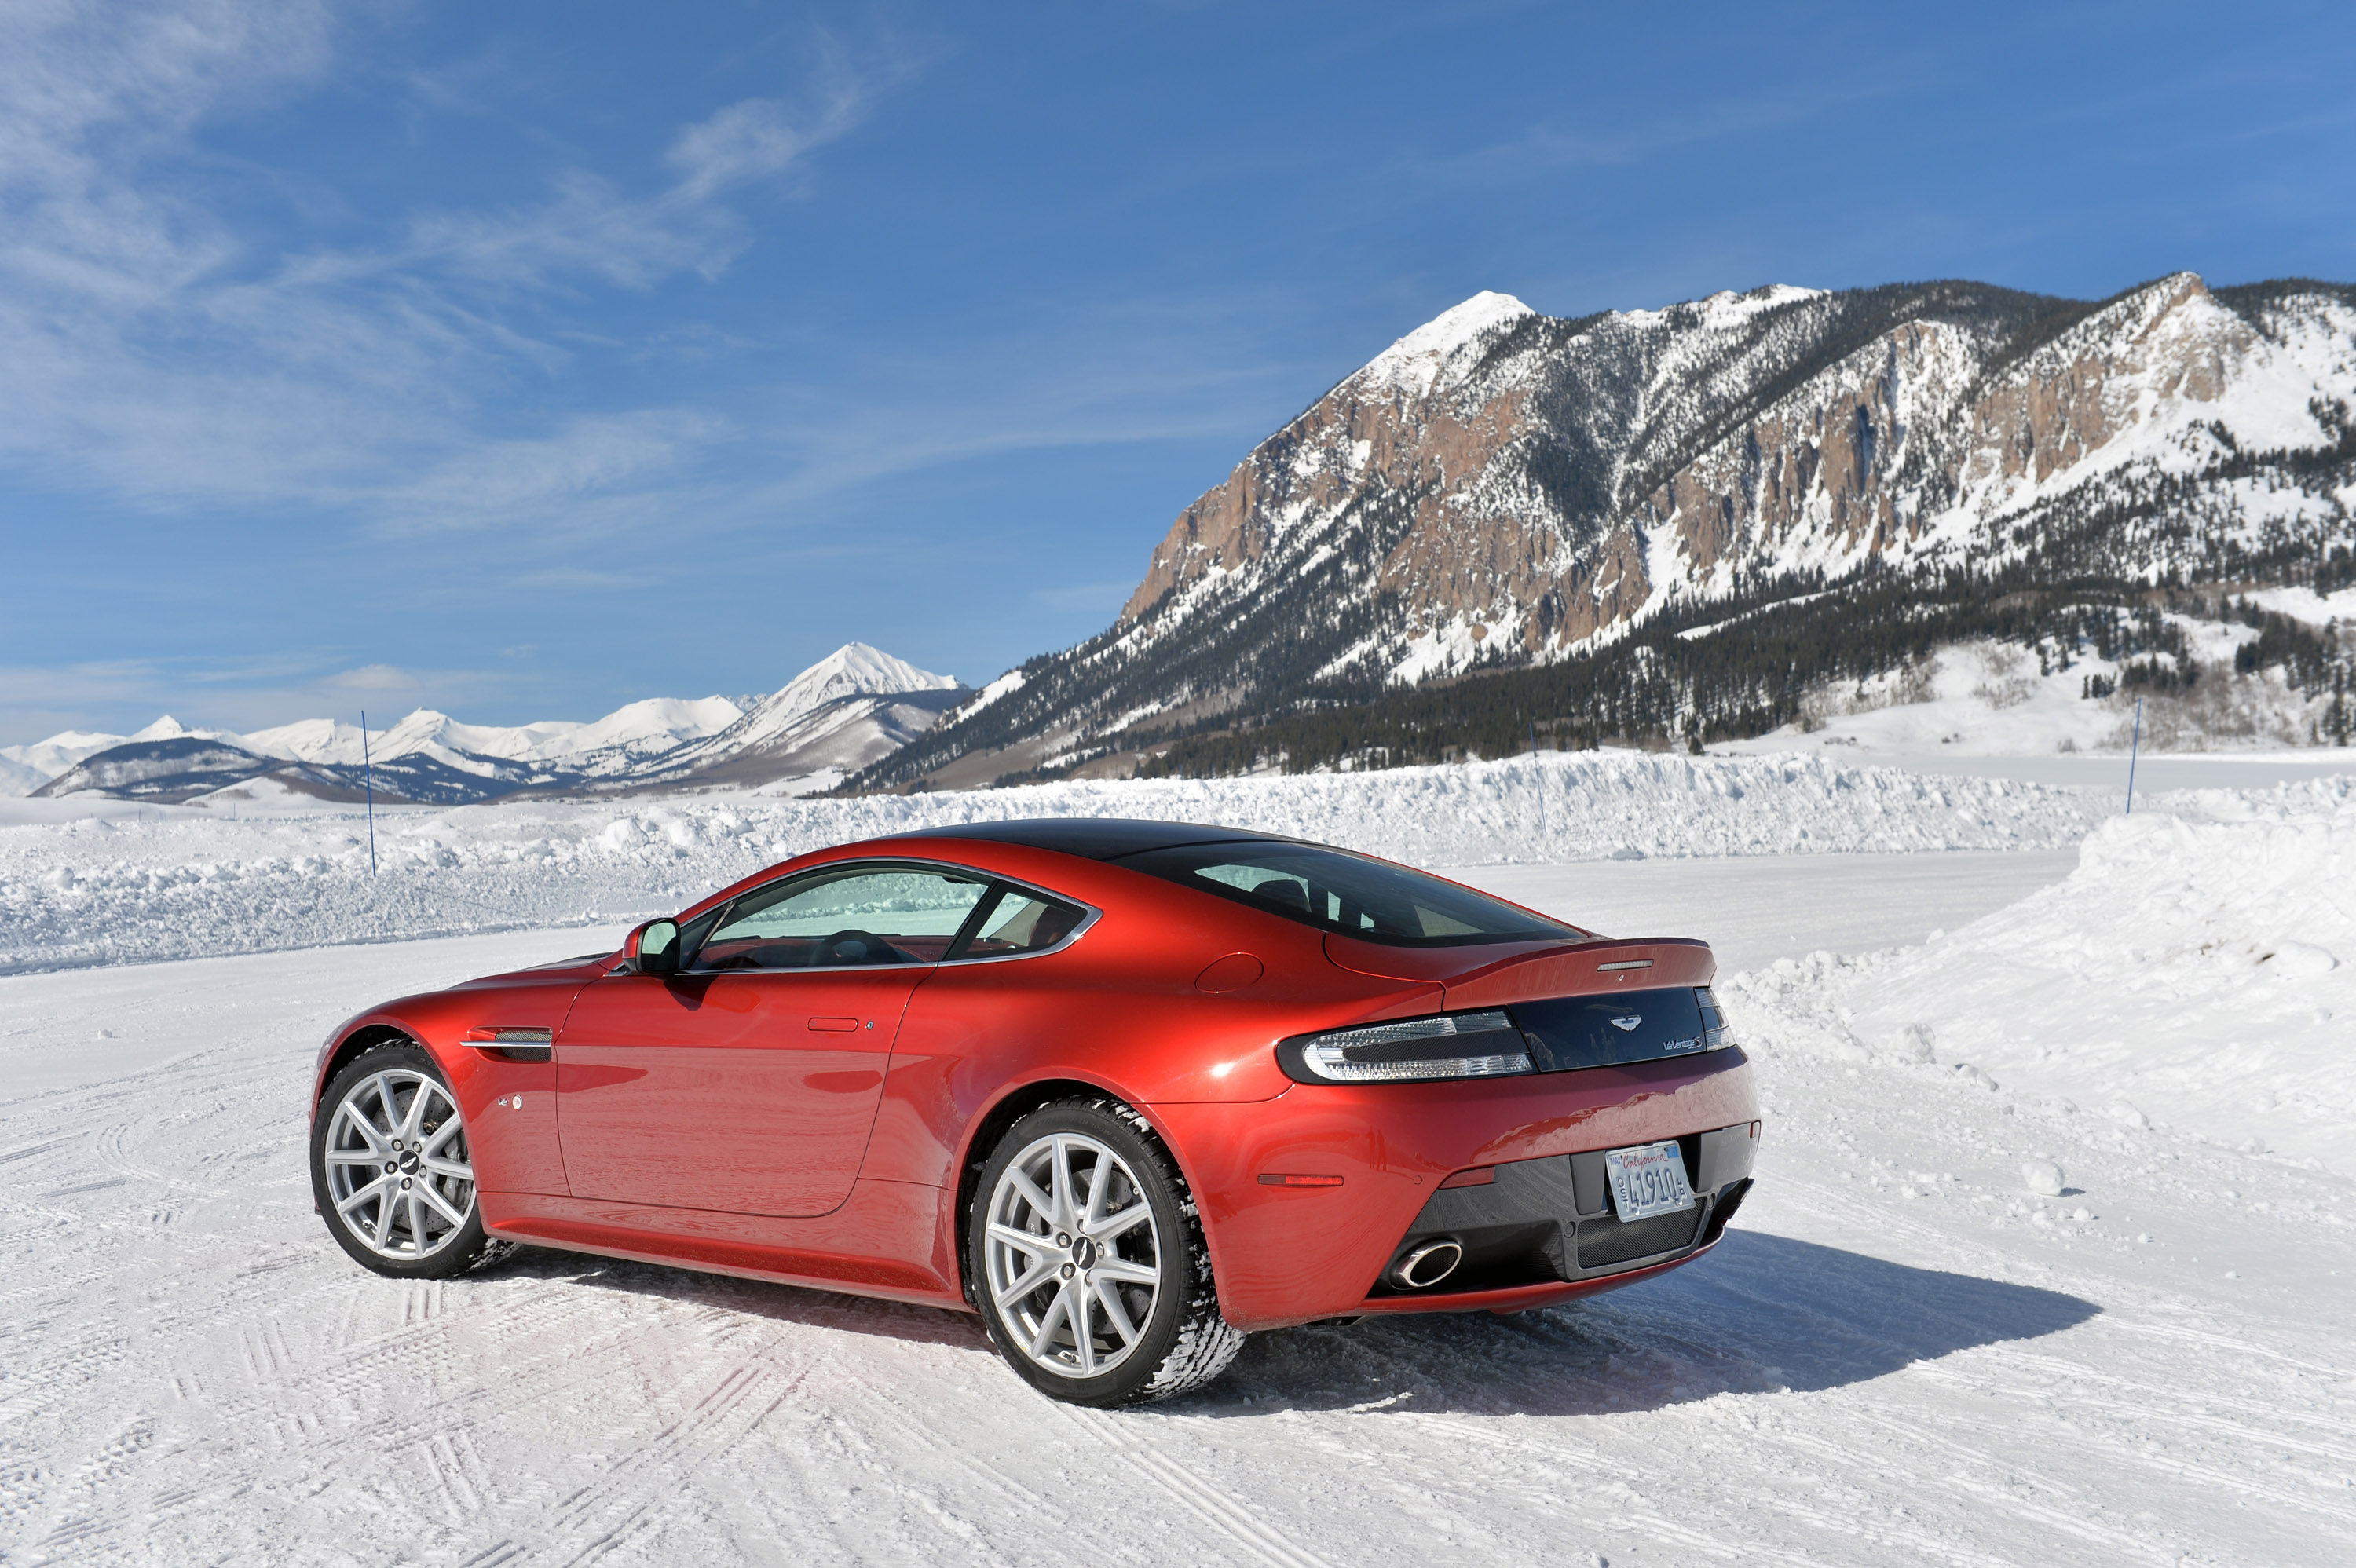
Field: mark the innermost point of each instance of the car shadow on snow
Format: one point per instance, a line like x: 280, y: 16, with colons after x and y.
x: 757, y: 1298
x: 1759, y: 1314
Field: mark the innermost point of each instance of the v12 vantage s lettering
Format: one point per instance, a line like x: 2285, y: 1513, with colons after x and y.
x: 1129, y: 1090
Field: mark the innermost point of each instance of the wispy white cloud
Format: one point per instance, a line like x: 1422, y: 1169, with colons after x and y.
x: 121, y: 695
x: 1554, y: 146
x: 762, y: 137
x: 372, y: 679
x: 1067, y: 375
x: 159, y: 354
x: 1097, y: 599
x: 594, y: 470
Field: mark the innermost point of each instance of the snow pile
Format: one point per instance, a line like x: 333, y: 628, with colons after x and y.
x: 2197, y: 974
x: 106, y: 882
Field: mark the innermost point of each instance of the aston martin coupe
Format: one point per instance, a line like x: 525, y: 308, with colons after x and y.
x: 1128, y: 1089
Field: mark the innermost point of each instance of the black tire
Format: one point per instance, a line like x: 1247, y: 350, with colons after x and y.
x: 1184, y: 1343
x: 403, y: 1071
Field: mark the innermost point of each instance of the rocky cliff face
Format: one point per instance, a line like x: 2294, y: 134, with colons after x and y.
x: 1501, y: 487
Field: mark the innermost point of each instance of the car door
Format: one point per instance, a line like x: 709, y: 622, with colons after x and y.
x: 748, y: 1082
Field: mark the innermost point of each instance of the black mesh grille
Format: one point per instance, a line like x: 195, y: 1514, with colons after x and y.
x: 1613, y: 1242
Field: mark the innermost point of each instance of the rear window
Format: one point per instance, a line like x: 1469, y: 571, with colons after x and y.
x: 1347, y: 895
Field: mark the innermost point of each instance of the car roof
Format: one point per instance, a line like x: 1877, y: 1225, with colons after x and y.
x: 1093, y: 838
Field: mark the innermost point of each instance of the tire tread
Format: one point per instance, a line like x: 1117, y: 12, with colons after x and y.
x: 462, y: 1256
x: 1205, y: 1342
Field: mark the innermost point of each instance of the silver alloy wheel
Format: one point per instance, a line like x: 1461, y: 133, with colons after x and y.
x: 1072, y: 1255
x: 399, y: 1172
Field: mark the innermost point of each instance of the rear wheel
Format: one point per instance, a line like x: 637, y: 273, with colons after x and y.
x: 1088, y: 1262
x: 391, y: 1170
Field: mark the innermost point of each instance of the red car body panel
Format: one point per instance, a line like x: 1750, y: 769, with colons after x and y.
x: 1293, y: 1255
x: 748, y: 1092
x: 813, y: 1126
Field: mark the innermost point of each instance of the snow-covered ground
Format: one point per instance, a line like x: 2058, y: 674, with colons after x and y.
x: 1902, y: 1353
x: 1985, y: 699
x: 98, y: 882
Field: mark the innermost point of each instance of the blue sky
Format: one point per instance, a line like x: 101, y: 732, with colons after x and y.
x: 526, y: 360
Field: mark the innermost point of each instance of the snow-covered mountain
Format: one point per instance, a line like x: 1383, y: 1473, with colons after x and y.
x: 1504, y: 488
x: 23, y: 769
x: 851, y: 708
x: 602, y: 747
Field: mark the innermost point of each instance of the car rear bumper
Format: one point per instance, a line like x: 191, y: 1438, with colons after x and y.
x: 1287, y: 1252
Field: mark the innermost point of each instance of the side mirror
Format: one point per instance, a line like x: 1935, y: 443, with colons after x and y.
x: 653, y: 948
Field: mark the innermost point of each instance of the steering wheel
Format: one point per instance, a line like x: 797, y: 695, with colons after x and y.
x: 852, y: 945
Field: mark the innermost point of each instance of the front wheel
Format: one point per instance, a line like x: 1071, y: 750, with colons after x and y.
x: 1088, y: 1262
x: 391, y: 1170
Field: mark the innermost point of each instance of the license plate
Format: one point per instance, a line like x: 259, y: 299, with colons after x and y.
x: 1647, y: 1180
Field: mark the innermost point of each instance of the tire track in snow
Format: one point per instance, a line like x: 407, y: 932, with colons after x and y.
x: 355, y: 1377
x: 1207, y: 1502
x: 596, y: 1519
x: 1551, y: 1456
x: 2127, y: 1453
x: 2141, y: 1396
x: 936, y: 1445
x: 2209, y: 1341
x: 1850, y: 1458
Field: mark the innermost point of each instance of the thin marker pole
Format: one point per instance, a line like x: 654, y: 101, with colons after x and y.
x: 2133, y: 749
x: 1539, y: 772
x: 367, y: 783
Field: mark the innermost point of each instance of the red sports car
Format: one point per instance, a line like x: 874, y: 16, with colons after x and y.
x: 1129, y: 1090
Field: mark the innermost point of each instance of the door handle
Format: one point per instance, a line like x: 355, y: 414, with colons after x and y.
x: 833, y: 1026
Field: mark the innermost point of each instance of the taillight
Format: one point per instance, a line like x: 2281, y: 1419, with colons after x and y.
x: 1453, y: 1045
x: 1714, y: 1026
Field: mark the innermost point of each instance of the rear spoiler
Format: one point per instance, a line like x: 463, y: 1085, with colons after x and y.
x: 1635, y: 964
x: 1483, y: 976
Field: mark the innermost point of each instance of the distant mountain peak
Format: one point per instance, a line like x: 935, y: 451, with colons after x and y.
x: 780, y: 721
x: 855, y: 669
x: 1417, y: 359
x: 841, y: 713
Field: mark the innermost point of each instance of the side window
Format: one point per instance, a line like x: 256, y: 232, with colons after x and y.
x: 1018, y: 922
x: 1350, y: 894
x: 840, y: 917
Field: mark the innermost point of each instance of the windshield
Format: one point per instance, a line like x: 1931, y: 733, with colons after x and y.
x: 1347, y: 895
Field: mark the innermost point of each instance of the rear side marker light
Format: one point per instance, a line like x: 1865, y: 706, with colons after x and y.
x: 1271, y: 1179
x: 1479, y: 1176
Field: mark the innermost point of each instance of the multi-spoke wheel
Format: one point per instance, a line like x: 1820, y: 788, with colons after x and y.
x: 1088, y: 1260
x: 391, y: 1167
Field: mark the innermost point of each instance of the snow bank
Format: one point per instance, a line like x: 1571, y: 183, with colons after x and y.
x: 2200, y: 974
x: 115, y: 884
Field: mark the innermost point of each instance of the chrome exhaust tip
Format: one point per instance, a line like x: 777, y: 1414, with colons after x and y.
x: 1428, y: 1264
